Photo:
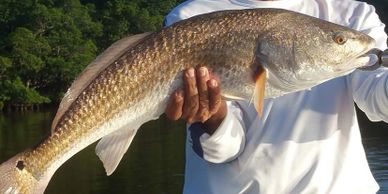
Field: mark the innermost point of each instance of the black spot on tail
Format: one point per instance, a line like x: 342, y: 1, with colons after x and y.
x: 20, y: 165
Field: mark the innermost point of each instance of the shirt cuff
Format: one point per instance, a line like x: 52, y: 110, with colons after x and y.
x: 224, y: 145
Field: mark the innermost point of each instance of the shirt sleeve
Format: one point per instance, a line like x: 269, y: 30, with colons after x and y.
x: 178, y: 14
x: 226, y: 143
x: 370, y: 88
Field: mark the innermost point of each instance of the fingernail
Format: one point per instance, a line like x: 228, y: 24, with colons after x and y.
x: 202, y: 71
x: 213, y: 83
x: 204, y: 118
x: 179, y: 95
x: 190, y: 72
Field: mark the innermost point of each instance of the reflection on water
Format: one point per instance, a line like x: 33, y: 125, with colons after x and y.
x: 377, y: 153
x: 154, y: 163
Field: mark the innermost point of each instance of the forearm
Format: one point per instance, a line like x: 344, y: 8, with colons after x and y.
x: 370, y: 88
x: 370, y: 92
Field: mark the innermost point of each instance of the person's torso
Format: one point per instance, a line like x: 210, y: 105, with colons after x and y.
x: 306, y: 142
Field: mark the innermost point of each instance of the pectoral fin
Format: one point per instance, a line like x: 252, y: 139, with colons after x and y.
x: 260, y: 80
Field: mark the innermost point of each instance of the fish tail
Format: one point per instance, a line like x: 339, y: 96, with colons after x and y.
x: 16, y: 179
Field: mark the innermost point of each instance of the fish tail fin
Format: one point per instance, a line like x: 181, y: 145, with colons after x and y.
x: 16, y: 179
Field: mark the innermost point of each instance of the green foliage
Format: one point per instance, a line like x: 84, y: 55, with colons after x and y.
x: 44, y: 45
x: 27, y: 50
x: 5, y: 65
x: 122, y: 18
x: 18, y: 93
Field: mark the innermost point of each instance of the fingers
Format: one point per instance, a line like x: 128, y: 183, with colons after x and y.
x: 174, y: 107
x: 191, y: 103
x: 203, y: 107
x: 215, y: 99
x: 200, y: 99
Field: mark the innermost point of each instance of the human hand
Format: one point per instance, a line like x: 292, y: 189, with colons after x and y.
x: 199, y: 101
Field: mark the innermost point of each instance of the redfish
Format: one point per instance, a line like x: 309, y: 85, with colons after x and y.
x: 263, y: 53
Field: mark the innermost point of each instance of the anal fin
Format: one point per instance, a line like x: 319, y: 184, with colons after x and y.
x: 112, y: 148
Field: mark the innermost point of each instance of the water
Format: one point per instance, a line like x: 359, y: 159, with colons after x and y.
x: 377, y: 154
x: 154, y: 163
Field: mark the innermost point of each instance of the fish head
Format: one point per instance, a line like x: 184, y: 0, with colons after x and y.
x: 301, y: 52
x: 333, y: 52
x: 16, y: 179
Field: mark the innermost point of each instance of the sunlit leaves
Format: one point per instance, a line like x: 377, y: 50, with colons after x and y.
x: 122, y: 18
x: 44, y: 45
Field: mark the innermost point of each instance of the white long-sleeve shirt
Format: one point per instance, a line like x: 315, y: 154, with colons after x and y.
x: 305, y: 142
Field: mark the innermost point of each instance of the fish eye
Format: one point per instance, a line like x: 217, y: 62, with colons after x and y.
x: 20, y: 165
x: 340, y: 38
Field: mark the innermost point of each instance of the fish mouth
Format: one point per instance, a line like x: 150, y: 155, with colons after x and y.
x: 374, y: 59
x: 364, y: 59
x: 369, y: 52
x: 360, y: 62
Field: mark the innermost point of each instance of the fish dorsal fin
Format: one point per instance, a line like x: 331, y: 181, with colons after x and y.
x: 259, y: 92
x: 112, y: 148
x: 93, y: 69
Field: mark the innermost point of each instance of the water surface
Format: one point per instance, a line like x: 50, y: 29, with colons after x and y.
x: 377, y: 154
x: 154, y: 163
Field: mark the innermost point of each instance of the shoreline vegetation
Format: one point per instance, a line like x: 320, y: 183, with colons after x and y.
x: 44, y: 45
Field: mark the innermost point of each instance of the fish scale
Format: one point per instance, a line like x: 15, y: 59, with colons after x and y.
x: 130, y: 83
